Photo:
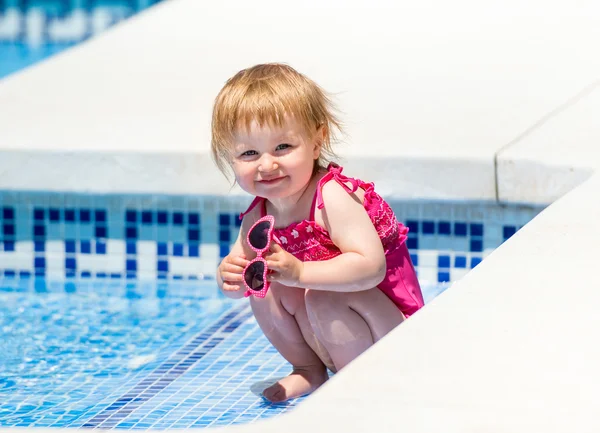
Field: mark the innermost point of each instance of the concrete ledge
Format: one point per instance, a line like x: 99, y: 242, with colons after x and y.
x: 555, y: 155
x: 422, y: 85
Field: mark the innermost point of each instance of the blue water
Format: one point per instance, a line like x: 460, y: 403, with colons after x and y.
x: 118, y: 355
x: 16, y: 56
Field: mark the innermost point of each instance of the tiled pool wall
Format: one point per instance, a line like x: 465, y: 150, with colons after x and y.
x: 158, y: 237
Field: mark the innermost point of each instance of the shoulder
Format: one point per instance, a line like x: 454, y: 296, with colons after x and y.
x: 335, y: 194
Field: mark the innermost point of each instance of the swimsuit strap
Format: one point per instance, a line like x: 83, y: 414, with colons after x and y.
x: 253, y: 205
x: 334, y: 171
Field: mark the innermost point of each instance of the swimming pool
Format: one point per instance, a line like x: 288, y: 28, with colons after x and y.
x: 110, y: 316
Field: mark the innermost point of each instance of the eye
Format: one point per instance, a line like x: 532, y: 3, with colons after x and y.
x: 283, y: 146
x: 249, y: 153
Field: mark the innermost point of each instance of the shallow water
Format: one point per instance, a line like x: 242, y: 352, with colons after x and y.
x: 126, y: 355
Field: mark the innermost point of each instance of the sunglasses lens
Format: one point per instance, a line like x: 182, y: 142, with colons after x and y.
x: 259, y: 235
x: 254, y: 276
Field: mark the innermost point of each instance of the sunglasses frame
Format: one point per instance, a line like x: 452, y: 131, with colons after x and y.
x: 259, y: 256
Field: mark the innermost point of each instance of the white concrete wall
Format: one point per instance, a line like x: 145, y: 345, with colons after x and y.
x: 431, y: 91
x: 434, y: 93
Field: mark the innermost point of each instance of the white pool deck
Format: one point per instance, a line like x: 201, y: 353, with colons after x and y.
x: 442, y: 100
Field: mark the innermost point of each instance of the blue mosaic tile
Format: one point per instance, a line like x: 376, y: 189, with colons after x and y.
x: 428, y: 227
x: 476, y: 229
x: 412, y: 243
x: 8, y: 213
x: 444, y: 228
x: 460, y: 229
x: 443, y: 261
x: 443, y: 277
x: 508, y: 231
x: 178, y: 236
x: 476, y: 245
x: 460, y: 262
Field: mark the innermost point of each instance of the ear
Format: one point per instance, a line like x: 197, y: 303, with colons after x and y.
x: 319, y: 140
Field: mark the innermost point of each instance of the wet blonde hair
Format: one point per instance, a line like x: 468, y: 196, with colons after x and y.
x: 266, y: 93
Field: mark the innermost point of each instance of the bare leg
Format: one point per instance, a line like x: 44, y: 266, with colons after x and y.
x: 282, y: 318
x: 349, y: 323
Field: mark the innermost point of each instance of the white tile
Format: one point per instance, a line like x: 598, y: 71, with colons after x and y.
x: 16, y: 261
x: 209, y: 267
x: 55, y: 262
x: 100, y: 263
x: 457, y: 273
x: 147, y: 275
x: 24, y: 247
x: 146, y: 264
x: 428, y: 259
x: 147, y: 248
x: 184, y: 265
x: 427, y: 276
x: 55, y: 247
x: 209, y: 251
x: 115, y: 246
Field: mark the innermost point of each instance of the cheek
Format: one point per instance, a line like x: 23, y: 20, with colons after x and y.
x: 242, y: 172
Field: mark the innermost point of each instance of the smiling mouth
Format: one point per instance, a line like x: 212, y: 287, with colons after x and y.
x: 270, y: 181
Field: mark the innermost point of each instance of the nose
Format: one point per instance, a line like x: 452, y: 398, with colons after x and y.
x: 267, y: 163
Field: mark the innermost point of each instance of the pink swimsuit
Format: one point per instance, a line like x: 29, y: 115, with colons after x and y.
x: 308, y: 241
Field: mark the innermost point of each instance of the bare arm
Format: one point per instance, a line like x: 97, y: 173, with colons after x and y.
x: 362, y: 264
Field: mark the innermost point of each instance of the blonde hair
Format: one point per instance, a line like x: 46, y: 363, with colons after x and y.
x: 266, y: 93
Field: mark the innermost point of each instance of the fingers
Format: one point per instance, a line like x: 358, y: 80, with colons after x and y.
x: 273, y: 264
x: 231, y: 272
x: 231, y: 287
x: 275, y: 247
x: 232, y: 277
x: 239, y: 261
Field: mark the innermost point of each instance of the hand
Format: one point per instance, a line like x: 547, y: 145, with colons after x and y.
x: 231, y: 269
x: 283, y: 267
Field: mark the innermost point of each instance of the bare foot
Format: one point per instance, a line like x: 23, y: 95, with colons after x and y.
x: 302, y: 381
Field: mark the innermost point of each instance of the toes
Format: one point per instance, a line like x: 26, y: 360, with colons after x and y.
x: 274, y: 393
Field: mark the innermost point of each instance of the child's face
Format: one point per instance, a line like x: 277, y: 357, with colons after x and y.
x: 274, y: 162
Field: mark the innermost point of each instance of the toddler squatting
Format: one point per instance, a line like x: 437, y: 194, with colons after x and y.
x: 340, y: 276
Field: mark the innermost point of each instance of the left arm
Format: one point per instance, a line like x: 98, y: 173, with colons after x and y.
x: 362, y: 264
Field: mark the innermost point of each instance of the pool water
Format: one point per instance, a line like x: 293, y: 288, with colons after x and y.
x: 131, y: 355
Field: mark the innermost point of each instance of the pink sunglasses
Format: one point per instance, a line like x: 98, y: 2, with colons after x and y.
x: 259, y: 239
